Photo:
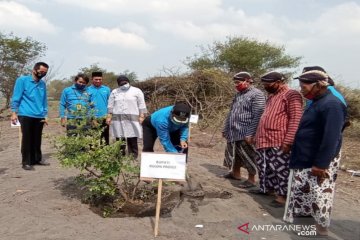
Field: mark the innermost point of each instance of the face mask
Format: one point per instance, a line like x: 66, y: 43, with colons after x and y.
x: 309, y: 95
x: 40, y: 75
x: 80, y: 86
x: 272, y: 88
x: 242, y: 86
x: 125, y: 86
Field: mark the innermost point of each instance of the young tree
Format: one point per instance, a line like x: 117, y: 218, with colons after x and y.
x: 243, y: 54
x: 16, y: 58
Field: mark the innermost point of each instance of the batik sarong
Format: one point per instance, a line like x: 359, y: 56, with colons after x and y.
x: 273, y: 168
x: 309, y: 197
x: 243, y: 153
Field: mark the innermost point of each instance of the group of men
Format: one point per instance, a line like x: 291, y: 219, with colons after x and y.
x: 295, y: 152
x: 123, y: 108
x: 294, y: 149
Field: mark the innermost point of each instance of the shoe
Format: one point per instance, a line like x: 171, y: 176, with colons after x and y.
x: 42, y: 163
x: 27, y: 167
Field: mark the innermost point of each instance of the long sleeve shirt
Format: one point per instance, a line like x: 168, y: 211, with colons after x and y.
x: 244, y: 115
x: 319, y: 137
x: 29, y: 98
x: 73, y: 102
x: 161, y: 121
x: 126, y: 106
x: 280, y: 119
x: 99, y: 97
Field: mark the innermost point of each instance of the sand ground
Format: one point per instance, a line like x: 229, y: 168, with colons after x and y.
x: 43, y: 204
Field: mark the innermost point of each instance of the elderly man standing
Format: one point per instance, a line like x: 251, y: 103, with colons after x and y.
x: 240, y: 128
x: 316, y: 152
x: 275, y: 136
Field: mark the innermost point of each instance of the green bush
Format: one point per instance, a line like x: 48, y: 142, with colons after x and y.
x: 105, y: 172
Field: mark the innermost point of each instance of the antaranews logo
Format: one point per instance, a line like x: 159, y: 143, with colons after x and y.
x: 301, y: 230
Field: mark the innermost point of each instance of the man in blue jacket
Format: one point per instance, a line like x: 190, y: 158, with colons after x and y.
x: 29, y: 106
x: 170, y: 125
x: 99, y: 96
x: 315, y: 155
x: 75, y: 105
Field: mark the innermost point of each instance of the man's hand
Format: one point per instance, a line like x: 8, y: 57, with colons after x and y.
x: 108, y: 120
x: 249, y: 140
x: 285, y: 148
x: 14, y: 117
x: 45, y: 121
x: 63, y: 122
x: 320, y: 173
x: 94, y: 123
x: 141, y: 119
x: 183, y: 144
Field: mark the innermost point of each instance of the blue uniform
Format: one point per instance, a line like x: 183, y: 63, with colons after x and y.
x: 99, y: 97
x: 29, y: 98
x: 161, y: 121
x: 73, y: 100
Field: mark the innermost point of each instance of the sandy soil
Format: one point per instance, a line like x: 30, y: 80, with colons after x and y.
x: 44, y: 204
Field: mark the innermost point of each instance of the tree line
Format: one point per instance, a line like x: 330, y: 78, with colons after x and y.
x: 207, y: 78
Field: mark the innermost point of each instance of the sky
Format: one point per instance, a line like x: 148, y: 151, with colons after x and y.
x: 154, y: 37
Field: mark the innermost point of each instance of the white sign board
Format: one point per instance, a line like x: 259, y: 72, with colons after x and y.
x: 194, y: 118
x: 163, y: 165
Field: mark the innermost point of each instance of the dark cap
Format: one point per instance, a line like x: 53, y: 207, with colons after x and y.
x: 272, y: 77
x: 96, y: 74
x: 312, y: 76
x: 181, y: 110
x: 310, y: 68
x: 242, y: 76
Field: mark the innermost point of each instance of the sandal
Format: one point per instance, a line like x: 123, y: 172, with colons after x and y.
x: 276, y: 204
x: 257, y: 191
x: 247, y: 184
x: 230, y: 176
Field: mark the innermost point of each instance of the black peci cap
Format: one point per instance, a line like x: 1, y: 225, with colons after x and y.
x: 96, y: 74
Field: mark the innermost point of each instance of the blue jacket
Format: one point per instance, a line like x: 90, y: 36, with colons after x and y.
x: 319, y: 136
x: 161, y: 121
x: 99, y: 97
x: 73, y: 100
x: 29, y: 98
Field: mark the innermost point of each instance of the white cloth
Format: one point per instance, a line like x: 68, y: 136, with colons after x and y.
x: 125, y: 107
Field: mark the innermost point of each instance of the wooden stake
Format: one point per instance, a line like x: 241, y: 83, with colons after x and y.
x: 158, y: 207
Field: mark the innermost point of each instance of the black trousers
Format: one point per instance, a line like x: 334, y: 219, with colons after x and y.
x: 150, y: 136
x: 105, y: 133
x: 132, y: 146
x: 31, y: 129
